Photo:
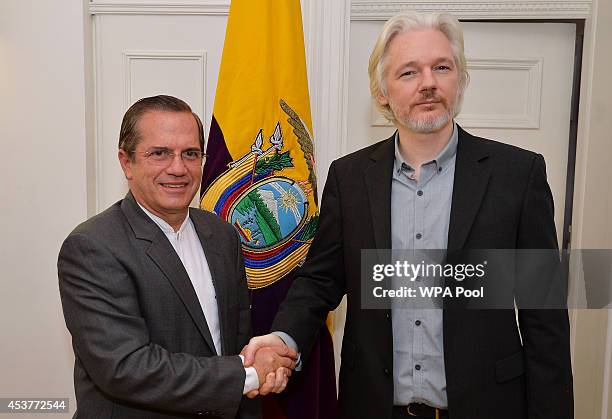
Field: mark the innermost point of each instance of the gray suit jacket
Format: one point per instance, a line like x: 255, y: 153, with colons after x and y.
x: 142, y: 346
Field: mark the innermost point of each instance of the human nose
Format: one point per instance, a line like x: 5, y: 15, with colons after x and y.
x: 428, y: 80
x: 177, y: 166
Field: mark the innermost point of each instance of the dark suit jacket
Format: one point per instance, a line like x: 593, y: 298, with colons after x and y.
x: 501, y: 200
x: 141, y: 343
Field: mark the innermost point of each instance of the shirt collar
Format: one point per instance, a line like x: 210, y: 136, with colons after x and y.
x: 165, y: 227
x: 442, y: 159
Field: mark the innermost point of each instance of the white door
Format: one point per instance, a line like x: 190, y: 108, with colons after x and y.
x: 146, y: 55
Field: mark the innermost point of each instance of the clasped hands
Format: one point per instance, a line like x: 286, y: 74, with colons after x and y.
x: 273, y: 360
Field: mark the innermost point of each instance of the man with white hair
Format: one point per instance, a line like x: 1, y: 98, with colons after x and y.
x: 431, y: 185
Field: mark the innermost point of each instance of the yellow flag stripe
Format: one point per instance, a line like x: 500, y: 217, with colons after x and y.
x: 212, y: 195
x: 257, y: 279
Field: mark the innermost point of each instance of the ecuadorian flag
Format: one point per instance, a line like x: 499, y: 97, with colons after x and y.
x: 260, y: 176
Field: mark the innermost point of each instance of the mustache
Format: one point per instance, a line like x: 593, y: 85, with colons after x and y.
x: 430, y: 95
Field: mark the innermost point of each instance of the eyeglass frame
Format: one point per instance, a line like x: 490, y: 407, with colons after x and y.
x: 171, y: 155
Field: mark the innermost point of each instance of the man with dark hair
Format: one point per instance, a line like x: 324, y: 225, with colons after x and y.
x: 129, y: 134
x: 431, y: 185
x: 154, y: 292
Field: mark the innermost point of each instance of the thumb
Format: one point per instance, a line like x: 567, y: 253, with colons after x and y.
x: 249, y: 351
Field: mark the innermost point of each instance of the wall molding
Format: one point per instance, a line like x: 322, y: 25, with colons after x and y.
x: 327, y: 28
x: 210, y: 8
x: 98, y: 157
x: 130, y: 56
x: 463, y: 9
x: 530, y: 119
x: 371, y: 9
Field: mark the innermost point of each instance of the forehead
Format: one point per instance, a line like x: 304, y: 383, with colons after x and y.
x: 168, y: 129
x: 419, y: 46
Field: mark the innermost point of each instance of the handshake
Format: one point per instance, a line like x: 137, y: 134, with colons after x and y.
x: 273, y: 360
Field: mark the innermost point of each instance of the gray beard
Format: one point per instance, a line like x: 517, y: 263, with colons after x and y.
x: 426, y: 125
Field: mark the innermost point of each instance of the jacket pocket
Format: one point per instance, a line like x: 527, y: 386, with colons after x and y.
x: 510, y: 367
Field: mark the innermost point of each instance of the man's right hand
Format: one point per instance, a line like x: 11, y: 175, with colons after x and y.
x: 270, y: 359
x: 259, y: 342
x: 272, y: 348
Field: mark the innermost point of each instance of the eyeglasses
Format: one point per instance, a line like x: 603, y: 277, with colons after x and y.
x: 163, y: 156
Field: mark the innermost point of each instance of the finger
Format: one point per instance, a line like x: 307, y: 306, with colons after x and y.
x: 286, y: 351
x: 281, y: 380
x: 279, y: 377
x: 286, y: 362
x: 292, y: 353
x: 252, y: 394
x: 268, y: 385
x: 249, y: 351
x: 258, y: 342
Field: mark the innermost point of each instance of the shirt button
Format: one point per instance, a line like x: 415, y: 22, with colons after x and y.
x: 418, y: 236
x: 417, y: 367
x: 439, y: 169
x: 418, y: 322
x: 387, y: 372
x: 420, y: 193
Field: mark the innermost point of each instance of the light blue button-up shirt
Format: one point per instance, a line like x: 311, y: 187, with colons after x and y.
x: 420, y: 215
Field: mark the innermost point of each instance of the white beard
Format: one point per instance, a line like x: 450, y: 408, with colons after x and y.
x: 426, y: 125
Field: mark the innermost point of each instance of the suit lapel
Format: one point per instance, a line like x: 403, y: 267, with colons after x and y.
x: 218, y: 272
x: 472, y: 172
x: 163, y: 255
x: 377, y: 177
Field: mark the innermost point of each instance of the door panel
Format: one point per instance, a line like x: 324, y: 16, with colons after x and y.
x: 146, y: 55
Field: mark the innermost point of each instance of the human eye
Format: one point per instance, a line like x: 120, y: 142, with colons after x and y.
x: 443, y: 68
x: 191, y: 154
x: 408, y: 73
x: 159, y: 153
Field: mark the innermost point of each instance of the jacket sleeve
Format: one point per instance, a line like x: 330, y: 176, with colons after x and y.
x: 545, y: 332
x: 111, y: 340
x: 249, y: 408
x: 320, y: 284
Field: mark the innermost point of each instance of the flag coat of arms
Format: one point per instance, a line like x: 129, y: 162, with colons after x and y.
x: 260, y: 176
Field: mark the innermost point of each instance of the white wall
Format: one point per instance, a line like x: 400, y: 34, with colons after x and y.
x: 43, y: 187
